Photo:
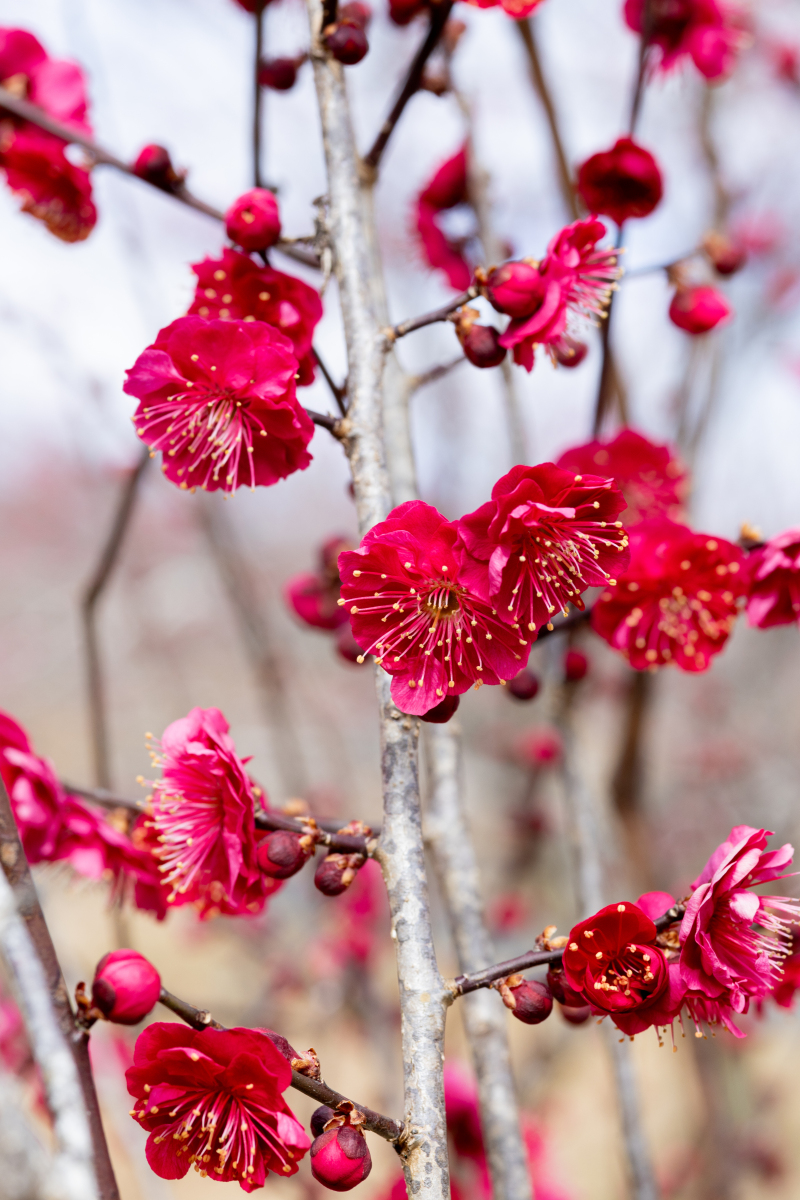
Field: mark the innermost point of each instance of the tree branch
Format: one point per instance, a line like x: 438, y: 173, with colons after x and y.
x: 423, y: 997
x: 61, y: 1050
x: 416, y: 382
x: 258, y: 97
x: 338, y: 393
x: 93, y: 591
x: 526, y: 32
x: 318, y: 1090
x: 440, y: 11
x: 430, y: 318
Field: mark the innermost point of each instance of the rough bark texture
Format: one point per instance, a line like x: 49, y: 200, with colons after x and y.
x: 423, y: 995
x: 485, y: 1017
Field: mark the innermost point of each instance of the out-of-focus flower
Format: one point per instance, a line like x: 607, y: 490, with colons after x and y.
x: 699, y: 309
x: 569, y: 352
x: 622, y: 182
x: 446, y: 189
x: 202, y: 811
x: 732, y: 940
x: 402, y: 12
x: 726, y: 253
x: 463, y: 1115
x: 709, y: 32
x: 784, y: 58
x: 340, y: 1157
x: 218, y: 399
x: 544, y: 537
x: 773, y: 571
x: 651, y: 477
x: 125, y: 987
x: 280, y: 74
x: 518, y: 9
x: 51, y: 188
x: 677, y: 600
x: 784, y: 992
x: 347, y: 41
x: 314, y: 596
x: 234, y: 288
x: 524, y: 686
x: 576, y: 666
x: 356, y: 11
x: 611, y: 959
x: 213, y: 1100
x: 574, y: 279
x: 408, y: 605
x: 540, y: 747
x: 154, y: 164
x: 253, y: 220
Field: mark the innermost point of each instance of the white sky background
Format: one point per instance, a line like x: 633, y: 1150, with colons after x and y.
x: 72, y: 318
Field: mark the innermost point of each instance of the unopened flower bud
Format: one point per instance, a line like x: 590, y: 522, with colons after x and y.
x: 125, y: 988
x: 561, y: 990
x: 576, y: 1014
x: 340, y: 1158
x: 697, y: 310
x: 514, y: 288
x: 280, y: 74
x: 253, y: 221
x: 336, y: 872
x: 320, y: 1118
x: 155, y: 165
x: 482, y: 346
x: 576, y: 664
x: 523, y: 686
x: 441, y: 713
x: 569, y: 352
x: 283, y: 853
x: 529, y: 1000
x: 357, y: 12
x: 346, y: 41
x: 726, y: 255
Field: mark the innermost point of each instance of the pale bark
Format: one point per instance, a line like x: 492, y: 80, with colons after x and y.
x: 423, y: 996
x: 485, y: 1017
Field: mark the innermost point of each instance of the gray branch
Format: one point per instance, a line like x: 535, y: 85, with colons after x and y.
x: 485, y: 1017
x: 423, y: 997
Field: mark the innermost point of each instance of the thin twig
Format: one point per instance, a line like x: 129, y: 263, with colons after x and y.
x: 440, y: 13
x: 60, y: 1048
x: 200, y: 1019
x: 527, y: 34
x: 416, y: 382
x: 338, y: 393
x: 258, y: 96
x: 92, y: 594
x: 430, y: 318
x: 326, y: 421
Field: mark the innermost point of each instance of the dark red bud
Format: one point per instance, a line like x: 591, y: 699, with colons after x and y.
x: 514, y: 288
x: 253, y: 221
x: 283, y: 853
x: 562, y: 993
x: 280, y: 74
x: 155, y: 165
x: 280, y: 1043
x: 340, y: 1158
x: 402, y: 12
x: 569, y: 352
x: 577, y: 1015
x: 319, y: 1119
x: 347, y: 647
x: 523, y: 686
x: 336, y: 872
x: 482, y: 346
x: 441, y: 713
x: 529, y: 1000
x: 126, y: 987
x: 576, y: 665
x: 357, y: 12
x: 346, y: 41
x: 725, y: 255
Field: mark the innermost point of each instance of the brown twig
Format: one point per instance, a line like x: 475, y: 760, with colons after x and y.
x: 343, y: 843
x: 200, y: 1019
x: 326, y: 421
x: 419, y: 381
x: 430, y: 318
x: 258, y: 96
x: 526, y: 33
x: 17, y: 873
x: 339, y: 393
x: 91, y: 597
x: 440, y: 11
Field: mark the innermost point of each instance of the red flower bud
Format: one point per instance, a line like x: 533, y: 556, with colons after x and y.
x: 346, y: 41
x: 515, y: 288
x: 621, y: 182
x: 357, y: 12
x: 441, y: 713
x: 523, y: 686
x: 529, y: 1000
x: 576, y: 664
x: 253, y: 221
x: 576, y: 1015
x: 698, y: 309
x: 320, y: 1118
x: 569, y: 352
x: 126, y: 987
x: 336, y: 872
x: 561, y: 990
x: 402, y: 12
x: 726, y: 255
x: 340, y: 1158
x: 280, y: 74
x: 155, y: 165
x: 482, y: 346
x: 283, y: 853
